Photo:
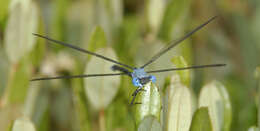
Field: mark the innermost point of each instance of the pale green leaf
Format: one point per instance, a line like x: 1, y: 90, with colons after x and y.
x: 211, y: 97
x: 180, y: 106
x: 227, y: 106
x: 23, y: 124
x: 21, y: 24
x: 149, y: 123
x: 253, y: 128
x: 155, y: 14
x: 115, y: 9
x: 103, y: 18
x: 31, y: 98
x: 150, y: 103
x: 201, y: 120
x: 101, y: 90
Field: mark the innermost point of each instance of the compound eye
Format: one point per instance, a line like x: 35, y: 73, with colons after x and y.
x: 136, y: 82
x: 153, y: 79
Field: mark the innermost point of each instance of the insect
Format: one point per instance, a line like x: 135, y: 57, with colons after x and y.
x: 139, y: 76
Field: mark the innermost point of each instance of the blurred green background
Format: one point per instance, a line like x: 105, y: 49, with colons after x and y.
x: 135, y: 30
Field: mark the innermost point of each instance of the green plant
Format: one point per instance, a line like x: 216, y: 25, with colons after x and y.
x: 131, y: 32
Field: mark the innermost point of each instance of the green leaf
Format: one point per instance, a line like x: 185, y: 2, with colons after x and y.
x: 80, y: 101
x: 3, y: 11
x: 244, y: 108
x: 180, y: 62
x: 38, y: 51
x: 37, y: 54
x: 124, y: 121
x: 22, y: 22
x: 101, y: 90
x: 44, y: 121
x: 174, y: 11
x: 249, y: 54
x: 201, y: 120
x: 150, y: 123
x: 23, y: 124
x: 150, y: 103
x: 18, y: 82
x: 98, y: 39
x: 42, y: 107
x: 128, y: 39
x: 215, y: 97
x: 58, y: 19
x: 180, y: 106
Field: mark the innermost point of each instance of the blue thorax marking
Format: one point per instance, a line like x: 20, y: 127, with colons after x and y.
x: 140, y: 77
x: 139, y: 73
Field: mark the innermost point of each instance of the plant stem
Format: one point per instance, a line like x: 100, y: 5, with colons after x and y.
x: 102, y: 126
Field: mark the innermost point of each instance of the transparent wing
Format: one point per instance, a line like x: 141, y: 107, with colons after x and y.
x: 187, y: 68
x: 175, y: 43
x: 76, y: 76
x: 83, y: 50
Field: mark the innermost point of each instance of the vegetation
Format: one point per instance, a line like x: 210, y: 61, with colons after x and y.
x: 130, y: 31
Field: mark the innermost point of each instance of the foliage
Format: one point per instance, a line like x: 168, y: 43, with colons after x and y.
x: 131, y: 31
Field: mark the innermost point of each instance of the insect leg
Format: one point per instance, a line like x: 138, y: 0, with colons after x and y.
x: 135, y: 94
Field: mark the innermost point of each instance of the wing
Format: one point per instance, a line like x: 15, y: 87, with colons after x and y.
x: 187, y: 68
x: 83, y: 50
x: 175, y: 43
x: 76, y: 76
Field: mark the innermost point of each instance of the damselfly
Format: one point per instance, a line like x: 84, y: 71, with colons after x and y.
x: 139, y: 76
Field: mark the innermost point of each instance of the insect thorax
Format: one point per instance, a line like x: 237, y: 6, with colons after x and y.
x: 139, y: 73
x: 140, y: 77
